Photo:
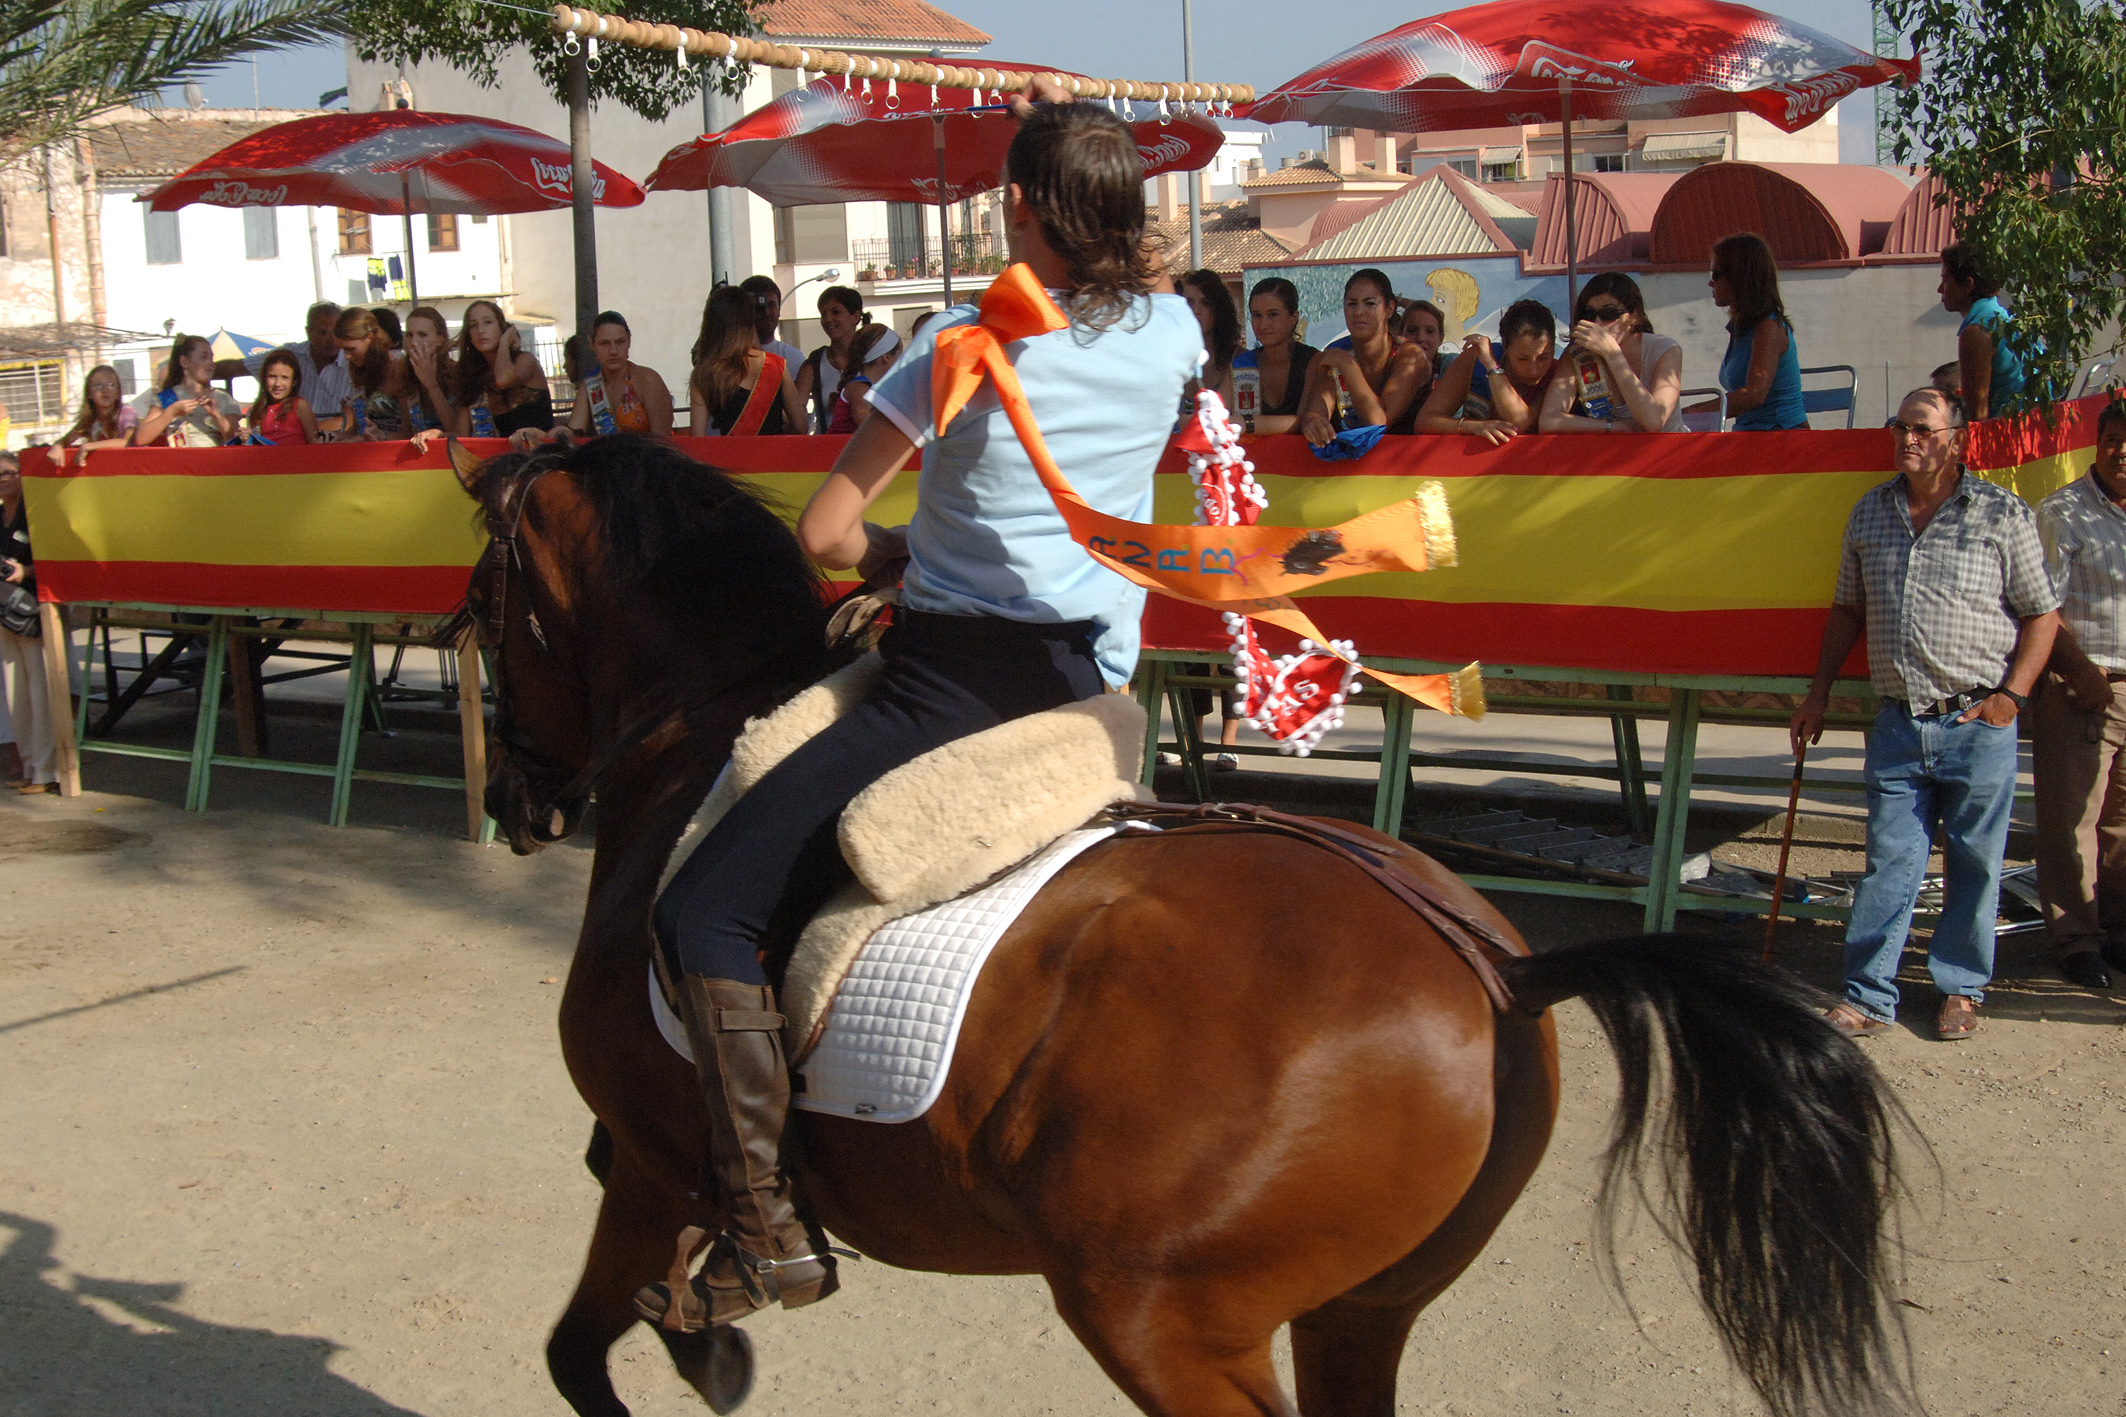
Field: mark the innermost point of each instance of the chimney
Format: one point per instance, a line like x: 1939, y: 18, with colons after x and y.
x: 1343, y: 152
x: 1384, y: 161
x: 1169, y: 198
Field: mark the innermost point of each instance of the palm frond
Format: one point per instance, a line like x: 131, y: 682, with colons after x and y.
x: 63, y: 60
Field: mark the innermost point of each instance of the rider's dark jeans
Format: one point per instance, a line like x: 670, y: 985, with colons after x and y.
x: 776, y: 854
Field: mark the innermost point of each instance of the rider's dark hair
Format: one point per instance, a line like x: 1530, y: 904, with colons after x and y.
x: 1076, y: 165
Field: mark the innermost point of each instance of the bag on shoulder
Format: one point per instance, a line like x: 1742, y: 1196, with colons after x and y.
x: 18, y: 612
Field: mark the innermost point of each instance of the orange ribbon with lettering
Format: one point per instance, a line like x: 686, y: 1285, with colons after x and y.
x: 1248, y: 569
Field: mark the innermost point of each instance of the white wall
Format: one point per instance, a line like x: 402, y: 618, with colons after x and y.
x: 1885, y: 321
x: 653, y: 260
x: 217, y: 287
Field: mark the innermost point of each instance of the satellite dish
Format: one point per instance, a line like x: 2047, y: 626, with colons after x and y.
x: 195, y: 96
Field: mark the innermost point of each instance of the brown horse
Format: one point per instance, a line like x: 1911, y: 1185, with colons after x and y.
x: 1207, y: 1085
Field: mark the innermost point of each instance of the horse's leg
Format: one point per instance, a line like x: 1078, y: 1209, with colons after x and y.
x: 631, y: 1246
x: 1345, y: 1354
x: 1169, y: 1350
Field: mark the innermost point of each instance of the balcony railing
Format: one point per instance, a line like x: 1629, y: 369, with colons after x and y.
x: 972, y: 252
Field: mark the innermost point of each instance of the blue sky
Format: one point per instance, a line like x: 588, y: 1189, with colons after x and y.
x: 1237, y: 41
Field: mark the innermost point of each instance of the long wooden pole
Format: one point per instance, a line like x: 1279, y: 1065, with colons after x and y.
x: 614, y: 29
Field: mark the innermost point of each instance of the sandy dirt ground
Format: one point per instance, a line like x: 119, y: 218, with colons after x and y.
x: 286, y: 1132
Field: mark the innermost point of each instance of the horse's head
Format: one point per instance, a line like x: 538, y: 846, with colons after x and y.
x: 627, y: 596
x: 521, y: 608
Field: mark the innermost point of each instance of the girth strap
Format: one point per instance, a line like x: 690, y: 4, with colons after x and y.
x: 1481, y: 946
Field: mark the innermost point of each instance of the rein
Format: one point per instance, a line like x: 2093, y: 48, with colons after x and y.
x: 532, y: 765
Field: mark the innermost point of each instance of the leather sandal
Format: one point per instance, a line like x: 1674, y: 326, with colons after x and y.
x: 1957, y: 1020
x: 1854, y: 1021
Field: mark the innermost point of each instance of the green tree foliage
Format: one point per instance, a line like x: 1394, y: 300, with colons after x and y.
x: 472, y: 36
x: 2022, y: 114
x: 62, y: 60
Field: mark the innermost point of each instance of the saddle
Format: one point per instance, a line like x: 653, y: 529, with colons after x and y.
x: 926, y: 833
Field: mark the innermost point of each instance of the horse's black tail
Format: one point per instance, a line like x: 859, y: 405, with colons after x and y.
x: 1775, y: 1162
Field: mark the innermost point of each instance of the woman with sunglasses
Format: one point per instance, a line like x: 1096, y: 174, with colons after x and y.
x: 1762, y: 368
x: 1644, y: 370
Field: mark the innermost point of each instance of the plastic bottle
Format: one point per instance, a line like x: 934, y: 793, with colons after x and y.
x: 1247, y: 396
x: 1343, y: 396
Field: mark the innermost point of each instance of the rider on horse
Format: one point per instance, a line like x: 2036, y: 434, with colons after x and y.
x: 1003, y: 614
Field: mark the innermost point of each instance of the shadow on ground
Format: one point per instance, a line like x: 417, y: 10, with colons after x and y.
x: 76, y: 1343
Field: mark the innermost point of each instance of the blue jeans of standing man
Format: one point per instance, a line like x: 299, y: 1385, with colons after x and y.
x: 1923, y: 773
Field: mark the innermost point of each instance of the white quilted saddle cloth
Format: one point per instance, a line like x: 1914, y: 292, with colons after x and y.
x: 882, y: 1052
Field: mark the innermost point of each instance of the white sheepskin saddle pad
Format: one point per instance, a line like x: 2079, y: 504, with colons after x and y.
x: 872, y: 1015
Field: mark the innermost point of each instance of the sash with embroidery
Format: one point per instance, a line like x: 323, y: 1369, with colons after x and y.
x: 593, y: 390
x: 766, y: 390
x: 358, y: 406
x: 483, y: 420
x: 1251, y: 570
x: 417, y: 419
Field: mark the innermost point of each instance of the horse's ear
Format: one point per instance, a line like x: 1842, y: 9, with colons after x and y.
x: 466, y: 466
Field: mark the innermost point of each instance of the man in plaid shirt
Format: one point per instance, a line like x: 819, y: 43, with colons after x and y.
x: 1945, y: 573
x: 2078, y: 722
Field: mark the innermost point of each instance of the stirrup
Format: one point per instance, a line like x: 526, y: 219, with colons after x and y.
x: 686, y: 1305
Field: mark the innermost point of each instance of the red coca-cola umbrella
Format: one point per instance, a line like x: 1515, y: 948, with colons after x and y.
x: 394, y: 162
x: 879, y: 141
x: 1551, y: 61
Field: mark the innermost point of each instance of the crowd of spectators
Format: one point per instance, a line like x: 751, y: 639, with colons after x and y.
x: 360, y: 375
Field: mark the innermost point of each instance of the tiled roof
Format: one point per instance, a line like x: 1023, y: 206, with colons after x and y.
x: 1439, y: 215
x: 1313, y: 172
x: 1232, y: 240
x: 147, y: 142
x: 895, y: 22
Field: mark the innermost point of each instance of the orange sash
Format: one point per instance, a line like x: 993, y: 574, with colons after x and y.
x: 1248, y: 569
x: 766, y: 390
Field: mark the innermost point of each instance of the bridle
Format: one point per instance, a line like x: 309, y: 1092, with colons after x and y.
x: 551, y: 811
x: 555, y: 799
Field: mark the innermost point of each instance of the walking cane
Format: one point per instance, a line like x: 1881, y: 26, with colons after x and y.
x: 1786, y: 843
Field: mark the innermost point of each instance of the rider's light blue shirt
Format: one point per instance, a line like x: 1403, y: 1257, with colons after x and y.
x: 987, y: 539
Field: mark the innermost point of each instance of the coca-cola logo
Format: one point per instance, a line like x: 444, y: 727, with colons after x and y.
x: 234, y: 193
x: 1814, y: 94
x: 554, y: 177
x: 1168, y: 148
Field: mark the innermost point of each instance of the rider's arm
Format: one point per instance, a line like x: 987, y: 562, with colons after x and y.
x: 832, y: 527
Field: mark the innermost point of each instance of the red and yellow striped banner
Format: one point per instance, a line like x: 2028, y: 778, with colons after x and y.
x: 342, y: 526
x: 1671, y: 553
x: 1674, y: 553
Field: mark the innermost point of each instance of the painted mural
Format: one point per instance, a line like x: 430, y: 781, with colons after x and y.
x: 1473, y: 291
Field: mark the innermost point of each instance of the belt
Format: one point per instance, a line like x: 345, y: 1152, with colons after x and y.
x: 1955, y: 703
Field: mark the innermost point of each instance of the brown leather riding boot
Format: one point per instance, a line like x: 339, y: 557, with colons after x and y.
x: 765, y: 1253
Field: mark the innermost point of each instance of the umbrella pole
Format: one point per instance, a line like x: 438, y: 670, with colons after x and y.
x: 413, y: 284
x: 944, y: 212
x: 1572, y: 202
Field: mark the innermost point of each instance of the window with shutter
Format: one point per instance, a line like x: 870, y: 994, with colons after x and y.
x: 164, y: 248
x: 354, y: 233
x: 442, y: 231
x: 262, y: 234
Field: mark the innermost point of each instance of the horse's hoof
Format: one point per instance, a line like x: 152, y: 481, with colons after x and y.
x: 716, y: 1361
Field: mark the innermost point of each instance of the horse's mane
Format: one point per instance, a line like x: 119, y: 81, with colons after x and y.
x: 704, y: 548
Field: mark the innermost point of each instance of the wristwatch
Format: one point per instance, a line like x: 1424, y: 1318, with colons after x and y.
x: 2021, y: 701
